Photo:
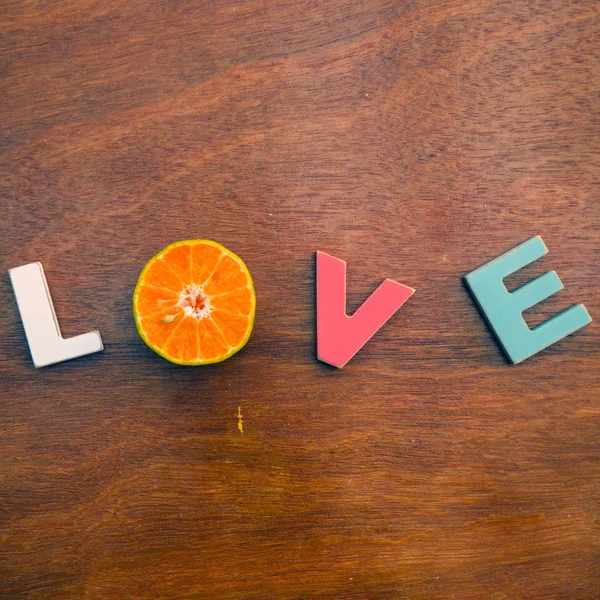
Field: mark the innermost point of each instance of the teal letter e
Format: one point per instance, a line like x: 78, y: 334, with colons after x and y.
x: 504, y: 309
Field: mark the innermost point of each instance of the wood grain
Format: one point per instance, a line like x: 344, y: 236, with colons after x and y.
x: 415, y: 140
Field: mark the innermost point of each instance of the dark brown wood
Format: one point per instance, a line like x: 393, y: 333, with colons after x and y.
x: 415, y: 140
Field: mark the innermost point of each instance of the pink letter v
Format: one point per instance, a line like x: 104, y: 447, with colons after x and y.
x: 340, y: 337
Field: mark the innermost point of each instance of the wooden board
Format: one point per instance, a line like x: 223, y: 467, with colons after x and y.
x: 415, y: 140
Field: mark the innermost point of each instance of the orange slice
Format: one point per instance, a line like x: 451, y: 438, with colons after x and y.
x: 194, y: 303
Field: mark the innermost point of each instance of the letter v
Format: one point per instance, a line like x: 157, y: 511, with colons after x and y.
x: 339, y: 336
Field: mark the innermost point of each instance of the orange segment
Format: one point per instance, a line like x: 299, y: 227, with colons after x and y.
x: 235, y: 302
x: 228, y: 276
x: 158, y: 327
x: 212, y: 344
x: 160, y: 275
x: 178, y: 260
x: 204, y: 261
x: 183, y: 344
x: 232, y: 327
x: 152, y: 299
x: 194, y: 303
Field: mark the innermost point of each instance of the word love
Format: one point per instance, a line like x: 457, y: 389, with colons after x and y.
x: 339, y: 335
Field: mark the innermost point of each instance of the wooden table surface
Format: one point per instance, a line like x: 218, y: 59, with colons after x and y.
x: 414, y: 139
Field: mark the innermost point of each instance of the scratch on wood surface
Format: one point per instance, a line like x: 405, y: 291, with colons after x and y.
x: 240, y: 422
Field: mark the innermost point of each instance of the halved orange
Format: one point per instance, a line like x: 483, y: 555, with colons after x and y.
x: 194, y: 303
